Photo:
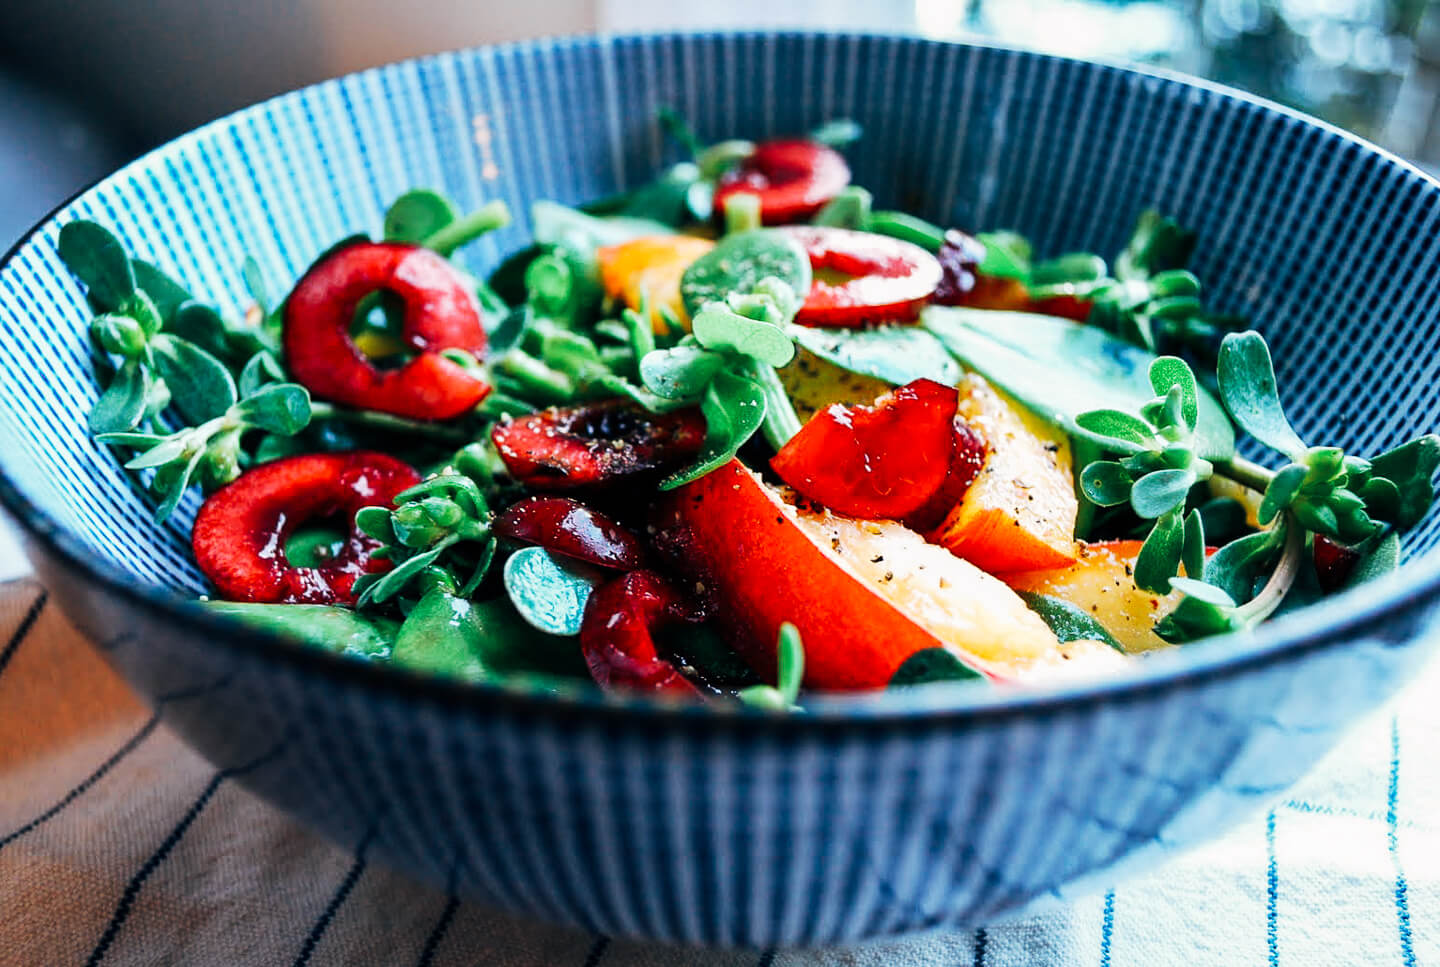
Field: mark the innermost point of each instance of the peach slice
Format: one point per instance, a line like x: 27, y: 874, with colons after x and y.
x: 1019, y: 513
x: 865, y: 595
x: 1102, y: 582
x: 651, y: 264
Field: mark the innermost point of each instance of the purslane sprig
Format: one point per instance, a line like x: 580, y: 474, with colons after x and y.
x: 1320, y: 492
x: 437, y: 535
x: 210, y: 452
x: 1158, y: 465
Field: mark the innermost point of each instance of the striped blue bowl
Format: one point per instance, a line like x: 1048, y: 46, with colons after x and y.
x: 954, y: 805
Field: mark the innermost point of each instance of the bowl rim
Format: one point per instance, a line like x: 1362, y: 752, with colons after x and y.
x: 1314, y: 627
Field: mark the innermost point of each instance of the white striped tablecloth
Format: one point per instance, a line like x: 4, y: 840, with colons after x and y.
x: 119, y: 846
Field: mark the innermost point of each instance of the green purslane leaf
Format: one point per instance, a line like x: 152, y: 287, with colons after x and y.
x: 676, y: 197
x: 1069, y: 621
x: 1007, y: 255
x: 440, y: 637
x: 1318, y: 517
x: 907, y: 228
x: 1157, y: 244
x: 849, y: 209
x: 570, y: 228
x: 739, y: 262
x: 375, y: 522
x: 1235, y: 567
x: 1203, y: 592
x: 1381, y: 559
x: 122, y: 404
x: 790, y: 672
x: 119, y: 334
x: 1070, y: 269
x: 171, y: 481
x: 1159, y: 557
x: 97, y: 259
x: 262, y: 368
x: 838, y: 133
x: 333, y: 629
x: 1169, y: 372
x: 201, y: 386
x: 717, y: 327
x: 1117, y: 430
x: 168, y: 450
x: 734, y: 409
x: 1160, y: 492
x: 254, y: 279
x: 1192, y: 549
x: 416, y: 215
x: 1281, y: 491
x: 393, y: 582
x: 281, y: 408
x: 1106, y: 483
x: 548, y: 593
x: 929, y: 665
x: 137, y: 441
x: 1247, y: 386
x: 1411, y: 467
x: 1194, y: 618
x: 680, y: 373
x: 165, y: 293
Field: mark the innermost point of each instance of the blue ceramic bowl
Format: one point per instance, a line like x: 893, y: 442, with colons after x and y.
x: 859, y: 818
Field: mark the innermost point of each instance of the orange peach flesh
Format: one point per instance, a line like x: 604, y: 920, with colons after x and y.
x: 651, y: 265
x: 1101, y: 581
x: 1019, y: 513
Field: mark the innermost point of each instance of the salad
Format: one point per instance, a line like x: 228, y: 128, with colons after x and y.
x: 731, y: 433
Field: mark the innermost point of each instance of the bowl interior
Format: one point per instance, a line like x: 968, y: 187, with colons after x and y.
x: 1323, y: 242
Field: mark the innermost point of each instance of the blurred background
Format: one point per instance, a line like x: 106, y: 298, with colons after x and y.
x: 86, y: 84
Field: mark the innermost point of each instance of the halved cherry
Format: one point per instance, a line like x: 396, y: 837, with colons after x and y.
x: 617, y: 634
x: 597, y: 445
x: 1333, y: 563
x: 886, y: 460
x: 794, y: 179
x: 568, y: 527
x: 863, y: 278
x: 440, y: 313
x: 241, y: 530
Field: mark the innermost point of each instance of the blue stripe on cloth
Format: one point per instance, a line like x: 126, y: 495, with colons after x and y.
x: 342, y: 893
x: 602, y: 943
x: 1402, y: 892
x: 437, y: 932
x: 90, y: 780
x: 1107, y: 929
x: 26, y: 623
x: 1272, y: 892
x: 982, y: 941
x: 132, y: 889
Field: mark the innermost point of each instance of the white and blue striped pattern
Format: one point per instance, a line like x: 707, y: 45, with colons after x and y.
x: 854, y: 820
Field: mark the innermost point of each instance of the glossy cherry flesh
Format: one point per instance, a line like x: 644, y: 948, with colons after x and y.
x: 241, y: 530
